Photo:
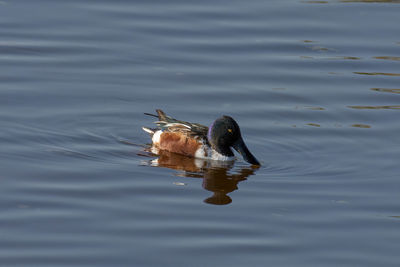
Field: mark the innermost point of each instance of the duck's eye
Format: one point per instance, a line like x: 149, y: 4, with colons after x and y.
x: 230, y: 130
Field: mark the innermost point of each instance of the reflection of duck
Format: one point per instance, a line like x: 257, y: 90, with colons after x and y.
x: 217, y: 175
x: 219, y: 181
x: 195, y: 140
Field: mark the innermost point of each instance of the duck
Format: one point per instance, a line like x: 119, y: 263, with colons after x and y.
x: 198, y: 141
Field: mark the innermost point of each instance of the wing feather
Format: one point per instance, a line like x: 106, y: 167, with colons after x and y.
x: 168, y: 123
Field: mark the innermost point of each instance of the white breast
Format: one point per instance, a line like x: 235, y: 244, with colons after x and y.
x: 205, y: 152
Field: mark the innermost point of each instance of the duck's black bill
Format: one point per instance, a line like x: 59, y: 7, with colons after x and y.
x: 241, y: 147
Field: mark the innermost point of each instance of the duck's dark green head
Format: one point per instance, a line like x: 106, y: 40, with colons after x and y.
x: 223, y: 134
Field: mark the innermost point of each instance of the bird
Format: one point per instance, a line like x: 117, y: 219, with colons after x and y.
x: 195, y: 140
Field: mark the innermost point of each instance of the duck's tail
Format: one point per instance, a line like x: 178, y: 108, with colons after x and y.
x: 149, y: 130
x: 160, y: 115
x: 163, y: 119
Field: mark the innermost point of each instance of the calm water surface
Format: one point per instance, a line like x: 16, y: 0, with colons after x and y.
x: 314, y: 85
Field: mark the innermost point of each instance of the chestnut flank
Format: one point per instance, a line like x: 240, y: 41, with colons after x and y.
x: 178, y: 143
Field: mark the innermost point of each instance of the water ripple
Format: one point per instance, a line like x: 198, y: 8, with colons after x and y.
x: 386, y: 90
x: 312, y: 84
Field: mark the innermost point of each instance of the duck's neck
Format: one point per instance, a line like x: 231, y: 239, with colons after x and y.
x: 225, y: 151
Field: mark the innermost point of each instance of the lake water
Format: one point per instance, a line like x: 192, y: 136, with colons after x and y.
x: 314, y: 85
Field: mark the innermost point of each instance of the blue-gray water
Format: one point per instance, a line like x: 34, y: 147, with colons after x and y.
x: 314, y: 85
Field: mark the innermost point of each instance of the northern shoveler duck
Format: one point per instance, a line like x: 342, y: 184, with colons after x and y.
x: 199, y: 141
